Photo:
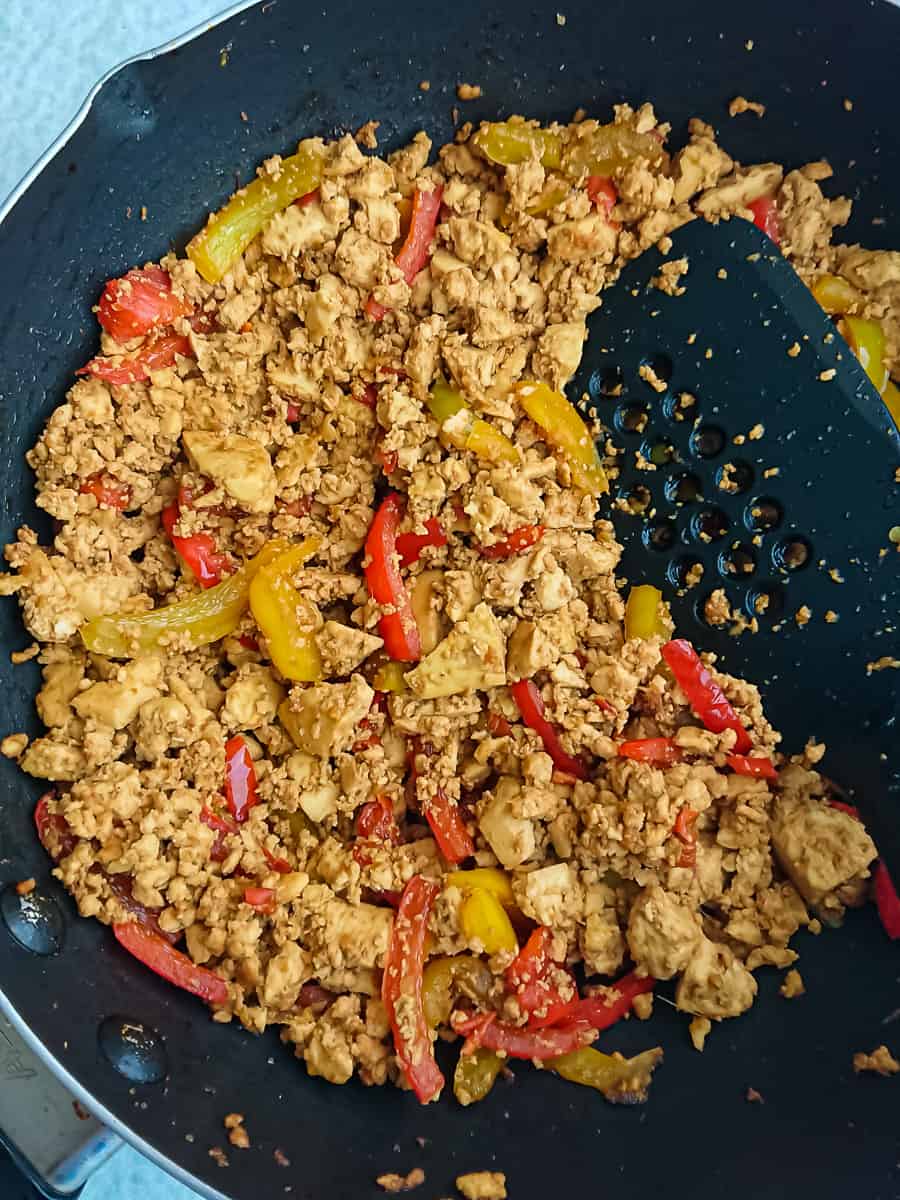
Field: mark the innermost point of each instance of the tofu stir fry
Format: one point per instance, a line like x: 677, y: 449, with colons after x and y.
x: 350, y: 726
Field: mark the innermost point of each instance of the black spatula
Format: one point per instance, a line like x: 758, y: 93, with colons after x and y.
x: 773, y: 470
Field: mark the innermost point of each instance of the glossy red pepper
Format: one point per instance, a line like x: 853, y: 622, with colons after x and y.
x: 402, y: 980
x: 376, y: 820
x: 388, y: 460
x: 767, y: 218
x: 756, y: 766
x: 887, y: 902
x: 411, y: 544
x: 704, y: 695
x: 600, y: 1012
x: 602, y: 193
x: 157, y: 954
x: 658, y: 751
x: 520, y: 539
x: 139, y: 302
x: 684, y: 830
x: 398, y: 625
x: 516, y: 1041
x: 530, y: 704
x: 449, y: 828
x: 121, y: 887
x: 159, y: 352
x: 108, y: 492
x: 198, y: 551
x: 850, y: 809
x: 281, y: 865
x: 53, y: 830
x: 535, y: 979
x: 223, y: 827
x: 498, y: 725
x: 260, y: 898
x: 240, y: 779
x: 292, y: 415
x: 415, y: 251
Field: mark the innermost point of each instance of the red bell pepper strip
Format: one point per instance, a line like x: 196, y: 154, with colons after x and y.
x: 658, y: 751
x: 850, y: 809
x: 498, y: 725
x: 140, y: 301
x: 520, y: 539
x: 240, y: 779
x: 218, y: 852
x: 312, y: 995
x: 261, y: 898
x: 704, y: 695
x: 198, y: 551
x: 684, y: 830
x: 157, y: 954
x: 411, y: 544
x: 368, y: 396
x: 756, y: 766
x: 292, y: 414
x: 398, y: 624
x: 767, y: 218
x: 534, y: 978
x: 402, y: 980
x: 600, y: 1013
x: 121, y: 887
x: 530, y: 704
x: 106, y: 491
x: 376, y: 820
x: 602, y: 193
x: 53, y: 830
x: 157, y: 353
x: 887, y: 902
x: 448, y: 827
x: 414, y: 253
x: 281, y: 865
x: 516, y: 1041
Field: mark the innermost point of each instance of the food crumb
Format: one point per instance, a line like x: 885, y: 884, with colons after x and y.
x: 21, y: 656
x: 835, y: 576
x: 848, y: 105
x: 281, y: 1159
x: 693, y: 575
x: 699, y: 1030
x: 667, y: 281
x: 647, y: 373
x: 237, y: 1134
x: 827, y: 376
x: 803, y: 615
x: 794, y: 350
x: 882, y: 664
x: 739, y: 439
x: 425, y: 85
x: 707, y: 353
x: 831, y: 616
x: 366, y: 135
x: 218, y: 1155
x: 560, y: 19
x: 468, y: 91
x: 748, y: 45
x: 143, y: 212
x: 721, y: 273
x: 642, y: 1006
x: 756, y: 432
x: 793, y: 985
x: 815, y: 927
x: 740, y: 104
x: 771, y: 472
x: 25, y: 887
x: 717, y: 610
x: 13, y: 745
x: 880, y: 1062
x: 392, y: 1182
x: 482, y: 1185
x: 692, y: 337
x: 244, y: 116
x: 754, y: 1097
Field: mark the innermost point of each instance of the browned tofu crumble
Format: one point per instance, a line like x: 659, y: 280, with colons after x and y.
x: 879, y: 1062
x: 134, y: 749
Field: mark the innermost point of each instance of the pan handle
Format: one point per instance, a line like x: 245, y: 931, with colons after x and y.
x: 51, y: 1138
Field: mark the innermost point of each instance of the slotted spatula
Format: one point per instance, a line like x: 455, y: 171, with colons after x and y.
x: 773, y: 471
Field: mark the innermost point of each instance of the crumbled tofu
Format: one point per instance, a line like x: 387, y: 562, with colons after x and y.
x: 482, y: 1185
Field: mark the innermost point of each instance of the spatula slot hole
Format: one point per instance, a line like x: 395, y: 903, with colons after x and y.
x: 607, y: 382
x: 660, y: 536
x: 707, y: 441
x: 631, y: 418
x: 735, y: 477
x: 659, y: 452
x: 710, y: 525
x: 683, y: 488
x: 660, y: 365
x: 738, y: 562
x: 763, y: 513
x: 685, y: 571
x: 638, y: 499
x: 792, y: 553
x: 766, y: 603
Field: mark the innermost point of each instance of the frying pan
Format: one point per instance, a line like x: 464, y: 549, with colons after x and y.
x: 167, y: 133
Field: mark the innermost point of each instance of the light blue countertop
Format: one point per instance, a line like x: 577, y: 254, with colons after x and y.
x: 49, y: 67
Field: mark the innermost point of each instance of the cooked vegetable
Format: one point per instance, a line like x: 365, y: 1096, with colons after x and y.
x: 766, y: 217
x: 411, y: 544
x: 621, y: 1080
x: 536, y: 980
x: 756, y: 766
x: 53, y: 830
x: 389, y: 678
x: 642, y: 617
x: 198, y: 552
x: 658, y: 751
x: 398, y: 623
x: 461, y: 428
x: 835, y: 294
x: 159, y: 352
x: 684, y: 830
x: 162, y: 958
x: 519, y: 540
x: 887, y: 901
x: 402, y: 981
x: 607, y: 1008
x: 228, y: 233
x: 108, y: 493
x: 375, y: 822
x: 260, y: 898
x: 240, y: 779
x: 449, y: 829
x: 483, y: 918
x: 487, y: 879
x: 704, y: 695
x: 416, y: 248
x: 610, y: 148
x: 511, y: 142
x: 475, y: 1075
x: 866, y: 340
x: 286, y: 617
x: 140, y: 301
x: 602, y: 193
x: 445, y: 979
x: 566, y: 431
x: 531, y: 705
x: 516, y: 1041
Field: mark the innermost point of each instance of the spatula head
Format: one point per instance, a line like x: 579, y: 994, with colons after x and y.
x: 776, y: 473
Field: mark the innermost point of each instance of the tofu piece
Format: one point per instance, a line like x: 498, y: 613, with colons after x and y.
x: 357, y: 934
x: 238, y: 464
x: 715, y: 984
x: 662, y: 933
x: 252, y: 699
x: 472, y: 656
x: 819, y: 847
x: 602, y: 942
x: 344, y: 647
x: 322, y: 719
x: 551, y: 896
x: 115, y: 703
x: 61, y: 681
x: 510, y: 837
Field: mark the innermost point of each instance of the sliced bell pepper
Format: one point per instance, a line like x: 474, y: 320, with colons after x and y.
x: 487, y: 879
x: 483, y: 918
x: 565, y: 430
x: 602, y: 193
x: 600, y: 1012
x: 475, y: 1075
x: 536, y: 980
x: 53, y: 830
x: 200, y: 619
x: 453, y: 839
x: 498, y: 724
x: 108, y: 492
x: 402, y: 981
x: 416, y: 248
x: 887, y: 901
x: 684, y: 830
x: 376, y: 820
x: 468, y: 432
x: 397, y: 626
x: 766, y: 217
x: 642, y: 619
x: 198, y: 551
x: 121, y: 886
x: 228, y: 233
x: 531, y: 705
x: 519, y: 540
x: 891, y: 398
x: 512, y: 142
x: 704, y: 695
x: 756, y: 766
x: 223, y: 828
x: 240, y: 779
x: 281, y: 865
x: 835, y: 294
x: 156, y: 354
x: 515, y: 1041
x: 260, y: 898
x: 444, y: 401
x: 609, y: 148
x: 171, y: 964
x: 448, y: 977
x: 658, y: 751
x: 285, y: 616
x: 140, y: 301
x: 866, y: 340
x: 620, y: 1080
x: 390, y: 677
x: 411, y: 544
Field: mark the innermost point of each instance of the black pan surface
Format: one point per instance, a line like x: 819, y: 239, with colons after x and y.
x: 167, y: 134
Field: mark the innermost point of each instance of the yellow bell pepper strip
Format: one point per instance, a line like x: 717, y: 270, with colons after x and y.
x: 202, y: 618
x: 891, y: 398
x: 866, y: 340
x: 487, y: 879
x: 403, y: 981
x: 835, y: 294
x: 444, y: 401
x: 607, y: 149
x: 511, y: 142
x: 465, y: 431
x: 554, y: 193
x: 620, y: 1080
x: 475, y: 1075
x: 446, y: 978
x: 390, y: 677
x: 483, y: 918
x: 278, y: 608
x: 228, y: 233
x: 642, y: 619
x: 566, y: 431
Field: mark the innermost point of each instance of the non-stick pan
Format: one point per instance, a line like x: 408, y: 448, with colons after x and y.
x: 168, y: 135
